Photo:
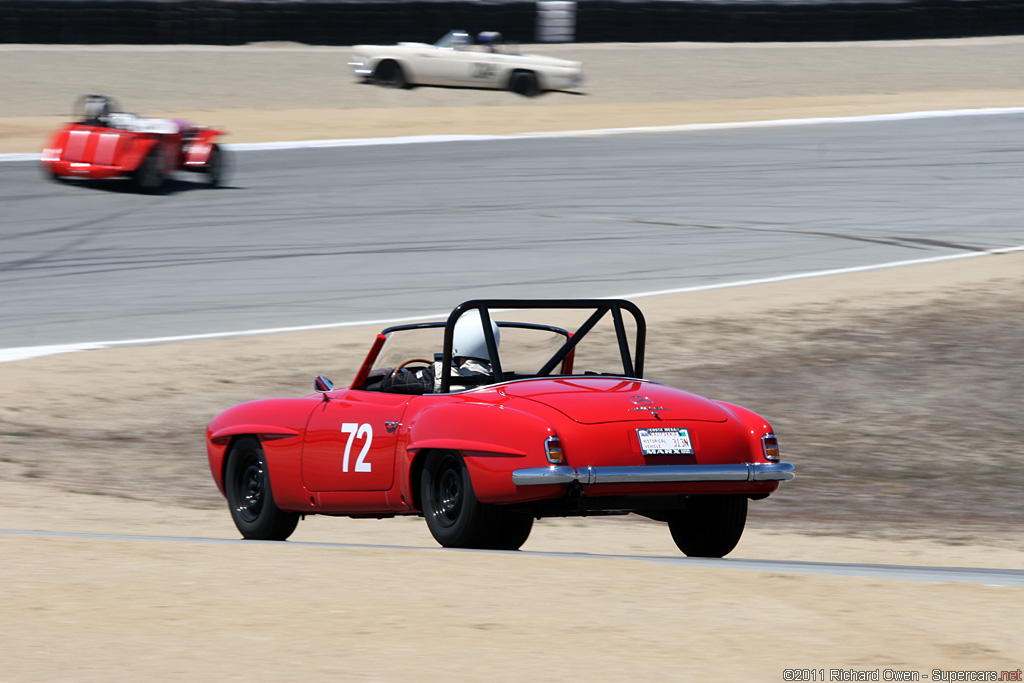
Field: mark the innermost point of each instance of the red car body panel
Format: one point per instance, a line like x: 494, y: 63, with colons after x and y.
x: 497, y: 433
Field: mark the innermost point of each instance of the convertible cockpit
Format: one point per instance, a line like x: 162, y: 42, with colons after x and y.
x: 486, y: 41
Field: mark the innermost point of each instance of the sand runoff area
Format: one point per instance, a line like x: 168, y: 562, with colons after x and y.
x: 82, y: 451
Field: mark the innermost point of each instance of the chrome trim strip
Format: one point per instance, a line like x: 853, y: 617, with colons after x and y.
x: 556, y: 474
x: 653, y: 474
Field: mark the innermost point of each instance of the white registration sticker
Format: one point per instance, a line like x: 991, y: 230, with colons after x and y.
x: 665, y: 441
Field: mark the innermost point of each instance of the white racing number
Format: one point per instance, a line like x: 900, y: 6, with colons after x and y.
x: 357, y: 431
x: 482, y: 70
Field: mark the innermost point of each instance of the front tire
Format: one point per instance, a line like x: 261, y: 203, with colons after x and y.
x: 250, y: 498
x: 389, y: 74
x: 709, y: 525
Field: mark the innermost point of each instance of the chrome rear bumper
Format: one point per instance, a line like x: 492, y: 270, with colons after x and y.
x: 653, y: 474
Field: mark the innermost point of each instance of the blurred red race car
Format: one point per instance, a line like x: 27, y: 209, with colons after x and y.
x: 481, y: 443
x: 105, y: 142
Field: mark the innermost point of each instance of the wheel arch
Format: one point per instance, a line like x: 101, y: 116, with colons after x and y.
x: 416, y: 466
x: 278, y: 424
x: 221, y: 443
x: 493, y: 440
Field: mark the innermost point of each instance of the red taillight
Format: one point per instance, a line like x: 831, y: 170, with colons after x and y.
x: 770, y: 446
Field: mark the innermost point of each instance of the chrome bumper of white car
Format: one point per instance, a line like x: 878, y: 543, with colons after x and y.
x: 360, y: 67
x: 653, y: 474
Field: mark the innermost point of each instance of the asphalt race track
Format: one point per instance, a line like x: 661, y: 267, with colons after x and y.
x: 313, y: 236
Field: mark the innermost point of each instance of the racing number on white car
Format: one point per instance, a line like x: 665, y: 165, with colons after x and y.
x: 357, y: 431
x: 482, y: 70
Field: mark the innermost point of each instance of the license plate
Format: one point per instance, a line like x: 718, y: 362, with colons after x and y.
x: 665, y: 441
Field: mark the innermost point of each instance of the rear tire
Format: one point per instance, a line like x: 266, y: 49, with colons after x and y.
x: 510, y: 530
x: 455, y: 517
x: 524, y: 83
x: 250, y: 498
x: 709, y: 525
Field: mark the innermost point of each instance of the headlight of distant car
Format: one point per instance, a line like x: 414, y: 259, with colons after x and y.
x: 770, y: 446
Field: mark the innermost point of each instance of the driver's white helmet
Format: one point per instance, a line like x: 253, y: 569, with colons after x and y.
x: 468, y: 337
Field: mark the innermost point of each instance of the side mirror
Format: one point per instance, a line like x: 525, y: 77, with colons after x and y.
x: 322, y: 384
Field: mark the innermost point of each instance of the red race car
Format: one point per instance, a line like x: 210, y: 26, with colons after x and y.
x: 481, y: 443
x: 105, y: 142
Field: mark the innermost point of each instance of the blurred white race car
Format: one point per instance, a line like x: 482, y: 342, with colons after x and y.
x: 457, y: 61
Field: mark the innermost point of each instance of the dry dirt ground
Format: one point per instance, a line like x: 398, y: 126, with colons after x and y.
x: 897, y: 393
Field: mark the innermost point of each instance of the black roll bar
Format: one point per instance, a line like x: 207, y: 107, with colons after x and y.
x: 632, y: 367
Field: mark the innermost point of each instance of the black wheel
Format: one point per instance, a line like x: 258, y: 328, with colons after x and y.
x: 524, y: 83
x: 250, y: 498
x: 149, y: 177
x: 709, y: 526
x: 510, y: 530
x: 455, y: 517
x: 215, y: 169
x: 389, y: 74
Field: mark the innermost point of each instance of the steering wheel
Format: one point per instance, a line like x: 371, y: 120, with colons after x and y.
x: 411, y: 360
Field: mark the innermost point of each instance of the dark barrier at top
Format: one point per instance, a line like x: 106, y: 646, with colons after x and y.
x: 333, y: 22
x: 234, y: 22
x: 747, y: 21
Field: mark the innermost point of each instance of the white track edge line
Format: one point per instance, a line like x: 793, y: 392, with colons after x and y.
x: 678, y: 128
x: 25, y: 352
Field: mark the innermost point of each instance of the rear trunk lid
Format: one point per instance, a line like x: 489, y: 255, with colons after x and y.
x: 600, y: 400
x: 89, y: 145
